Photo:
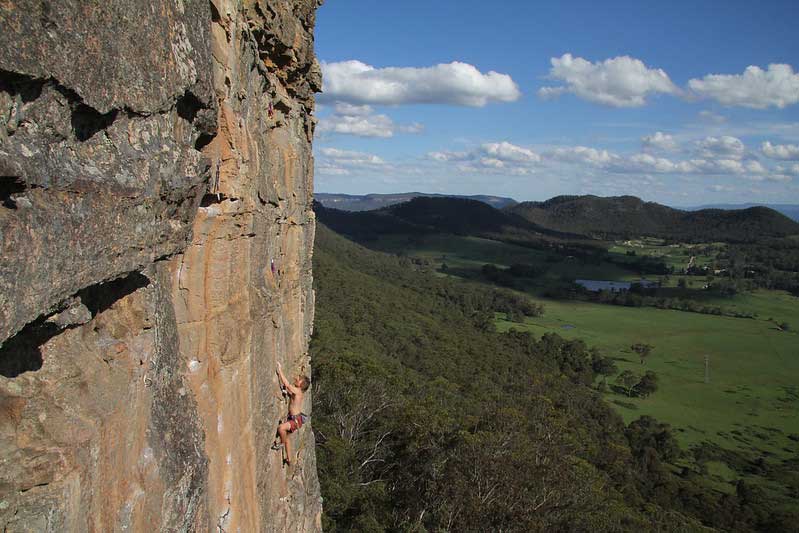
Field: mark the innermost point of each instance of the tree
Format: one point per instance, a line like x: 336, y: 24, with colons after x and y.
x: 647, y: 384
x: 648, y: 433
x: 643, y: 350
x: 603, y: 366
x: 516, y: 316
x: 627, y: 380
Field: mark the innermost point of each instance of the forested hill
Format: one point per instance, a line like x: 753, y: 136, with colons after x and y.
x: 628, y: 216
x: 368, y: 202
x: 789, y: 210
x: 422, y: 215
x: 428, y: 419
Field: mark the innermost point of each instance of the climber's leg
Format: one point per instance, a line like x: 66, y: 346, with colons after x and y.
x: 284, y: 430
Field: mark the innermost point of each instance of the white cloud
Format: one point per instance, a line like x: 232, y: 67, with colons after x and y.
x: 362, y: 126
x: 757, y: 88
x: 510, y: 152
x: 721, y: 188
x: 448, y: 156
x: 722, y: 158
x: 778, y: 178
x: 718, y: 158
x: 650, y: 163
x: 711, y: 117
x: 786, y: 152
x: 659, y: 141
x: 619, y: 82
x: 755, y: 167
x: 725, y: 146
x: 360, y: 120
x: 715, y: 166
x: 582, y: 154
x: 775, y: 178
x: 331, y: 169
x: 351, y: 158
x: 491, y: 162
x: 351, y: 110
x: 414, y: 127
x: 792, y: 169
x: 496, y: 157
x: 447, y: 83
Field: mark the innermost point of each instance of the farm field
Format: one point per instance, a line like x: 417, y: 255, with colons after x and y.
x: 471, y: 253
x: 751, y: 402
x: 673, y: 255
x: 753, y: 370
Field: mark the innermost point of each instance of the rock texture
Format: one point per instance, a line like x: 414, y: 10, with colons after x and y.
x: 156, y: 234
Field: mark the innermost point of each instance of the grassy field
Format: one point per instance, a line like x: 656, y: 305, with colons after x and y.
x: 471, y: 253
x: 676, y: 256
x: 751, y: 403
x: 753, y: 369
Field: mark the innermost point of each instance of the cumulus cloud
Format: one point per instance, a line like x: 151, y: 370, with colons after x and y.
x: 453, y: 83
x: 786, y: 152
x: 722, y: 158
x: 360, y: 120
x: 715, y: 166
x: 650, y: 163
x: 777, y: 86
x: 495, y: 157
x: 582, y: 154
x: 619, y: 82
x: 505, y: 151
x: 351, y: 110
x: 659, y: 141
x: 362, y: 126
x: 755, y: 167
x: 721, y: 188
x: 775, y: 178
x: 712, y: 157
x: 331, y: 169
x: 711, y: 117
x: 448, y: 156
x: 350, y: 158
x: 491, y: 162
x: 725, y: 146
x: 785, y: 169
x: 414, y: 127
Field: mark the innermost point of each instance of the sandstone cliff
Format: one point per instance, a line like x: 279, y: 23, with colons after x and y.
x: 156, y: 234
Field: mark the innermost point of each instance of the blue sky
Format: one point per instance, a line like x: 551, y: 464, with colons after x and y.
x: 684, y: 103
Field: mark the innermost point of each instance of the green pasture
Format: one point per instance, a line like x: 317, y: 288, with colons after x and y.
x: 754, y: 369
x: 674, y: 255
x: 751, y: 403
x: 471, y: 253
x: 459, y: 252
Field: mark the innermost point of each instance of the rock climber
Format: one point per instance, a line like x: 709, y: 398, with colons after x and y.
x: 296, y: 417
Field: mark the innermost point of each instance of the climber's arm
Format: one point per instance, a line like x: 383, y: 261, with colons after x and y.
x: 289, y: 387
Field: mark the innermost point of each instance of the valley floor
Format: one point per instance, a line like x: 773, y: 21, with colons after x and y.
x: 749, y: 406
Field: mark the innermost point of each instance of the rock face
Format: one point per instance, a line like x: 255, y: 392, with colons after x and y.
x: 156, y: 234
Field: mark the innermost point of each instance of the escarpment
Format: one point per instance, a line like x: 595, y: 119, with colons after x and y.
x: 156, y: 228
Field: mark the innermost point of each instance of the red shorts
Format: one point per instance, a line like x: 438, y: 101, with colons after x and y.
x: 296, y: 422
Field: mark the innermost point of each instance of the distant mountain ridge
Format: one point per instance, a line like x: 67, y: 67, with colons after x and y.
x: 423, y: 215
x: 789, y: 210
x: 628, y: 216
x: 579, y: 218
x: 368, y: 202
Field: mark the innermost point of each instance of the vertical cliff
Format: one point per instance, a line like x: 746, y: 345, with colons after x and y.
x: 156, y: 224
